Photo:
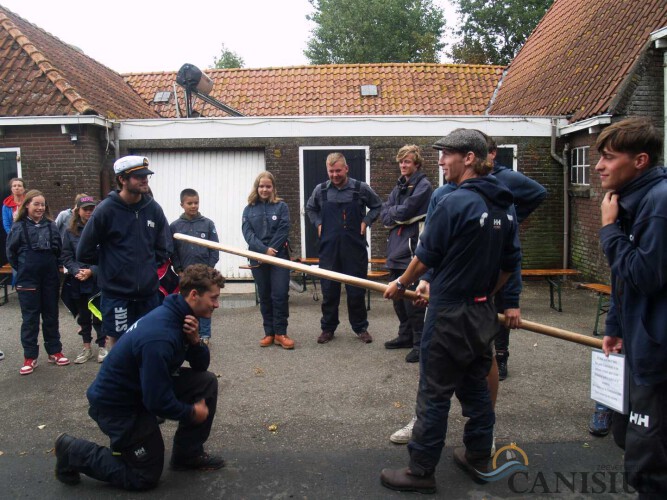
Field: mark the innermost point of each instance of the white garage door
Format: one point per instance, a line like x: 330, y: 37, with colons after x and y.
x: 223, y: 180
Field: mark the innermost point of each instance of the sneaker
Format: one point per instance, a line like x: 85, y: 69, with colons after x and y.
x: 200, y: 462
x: 325, y: 337
x: 493, y: 447
x: 266, y: 341
x: 501, y: 359
x: 59, y: 359
x: 84, y: 356
x: 284, y: 341
x: 365, y: 337
x: 412, y: 356
x: 600, y: 422
x: 2, y: 355
x: 64, y: 473
x: 101, y: 354
x: 403, y: 435
x: 206, y: 341
x: 28, y: 367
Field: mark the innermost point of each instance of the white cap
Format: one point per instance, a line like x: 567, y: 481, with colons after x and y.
x: 131, y: 164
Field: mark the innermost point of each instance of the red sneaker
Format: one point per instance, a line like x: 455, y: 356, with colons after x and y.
x: 28, y: 366
x: 58, y: 359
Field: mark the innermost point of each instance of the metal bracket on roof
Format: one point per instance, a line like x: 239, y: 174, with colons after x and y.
x: 197, y: 84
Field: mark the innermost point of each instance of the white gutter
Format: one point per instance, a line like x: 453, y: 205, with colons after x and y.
x: 24, y: 121
x: 588, y: 123
x: 660, y: 39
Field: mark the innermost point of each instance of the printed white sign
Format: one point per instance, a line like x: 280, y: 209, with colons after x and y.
x: 609, y: 380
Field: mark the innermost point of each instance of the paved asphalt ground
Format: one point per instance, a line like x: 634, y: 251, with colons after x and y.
x: 334, y: 407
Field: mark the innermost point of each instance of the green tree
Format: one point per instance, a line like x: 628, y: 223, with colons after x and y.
x: 375, y: 31
x: 227, y: 59
x: 493, y: 31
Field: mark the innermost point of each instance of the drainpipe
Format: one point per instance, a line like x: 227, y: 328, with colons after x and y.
x: 566, y: 201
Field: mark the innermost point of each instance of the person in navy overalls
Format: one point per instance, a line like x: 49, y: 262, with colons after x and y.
x: 337, y: 208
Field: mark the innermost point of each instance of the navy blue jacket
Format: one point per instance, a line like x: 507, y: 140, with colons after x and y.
x: 16, y: 247
x: 466, y: 245
x: 527, y: 193
x: 636, y: 248
x: 137, y: 372
x: 70, y: 243
x: 132, y: 241
x: 186, y: 253
x: 266, y: 225
x: 403, y: 212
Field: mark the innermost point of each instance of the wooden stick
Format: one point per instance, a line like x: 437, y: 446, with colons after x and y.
x: 378, y: 287
x: 294, y: 266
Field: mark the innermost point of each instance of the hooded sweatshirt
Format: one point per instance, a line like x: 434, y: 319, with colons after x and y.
x: 131, y: 242
x: 186, y: 253
x: 471, y: 236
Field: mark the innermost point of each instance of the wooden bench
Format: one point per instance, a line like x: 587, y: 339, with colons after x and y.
x: 604, y: 296
x: 555, y: 279
x: 5, y: 281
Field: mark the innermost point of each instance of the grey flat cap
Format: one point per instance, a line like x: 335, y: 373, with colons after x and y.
x: 464, y: 140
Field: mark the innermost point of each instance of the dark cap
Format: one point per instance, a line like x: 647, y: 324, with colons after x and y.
x: 86, y: 201
x: 464, y: 140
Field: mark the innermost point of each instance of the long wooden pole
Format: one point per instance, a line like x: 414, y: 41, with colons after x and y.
x: 373, y: 285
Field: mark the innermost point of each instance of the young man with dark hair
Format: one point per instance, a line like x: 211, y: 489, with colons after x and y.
x: 471, y: 242
x: 403, y: 214
x: 193, y: 223
x: 634, y: 240
x: 130, y: 233
x: 142, y: 379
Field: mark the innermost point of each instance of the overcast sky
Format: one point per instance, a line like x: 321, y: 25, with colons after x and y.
x: 149, y: 35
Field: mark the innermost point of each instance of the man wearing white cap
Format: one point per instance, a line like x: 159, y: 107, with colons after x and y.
x: 130, y: 233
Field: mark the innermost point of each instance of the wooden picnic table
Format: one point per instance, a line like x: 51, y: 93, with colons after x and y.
x: 555, y: 279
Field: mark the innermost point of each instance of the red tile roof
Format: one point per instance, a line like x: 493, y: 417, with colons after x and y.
x: 404, y: 89
x: 42, y: 76
x: 578, y: 57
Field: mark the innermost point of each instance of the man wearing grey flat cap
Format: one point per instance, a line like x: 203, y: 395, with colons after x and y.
x: 471, y: 243
x: 130, y: 233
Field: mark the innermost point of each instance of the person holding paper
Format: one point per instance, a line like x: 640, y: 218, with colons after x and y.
x: 634, y: 239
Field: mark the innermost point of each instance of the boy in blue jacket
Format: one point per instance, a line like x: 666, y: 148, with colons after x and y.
x: 142, y: 379
x: 634, y: 239
x: 192, y: 223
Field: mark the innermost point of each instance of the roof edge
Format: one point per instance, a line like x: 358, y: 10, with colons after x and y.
x: 79, y: 103
x: 586, y: 123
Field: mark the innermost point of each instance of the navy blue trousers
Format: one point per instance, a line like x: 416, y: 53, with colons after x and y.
x: 455, y: 358
x: 135, y: 458
x: 42, y: 301
x: 273, y: 290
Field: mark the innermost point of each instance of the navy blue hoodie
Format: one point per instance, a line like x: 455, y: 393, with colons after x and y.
x: 636, y: 248
x: 466, y: 244
x: 527, y: 193
x: 131, y: 242
x: 137, y: 371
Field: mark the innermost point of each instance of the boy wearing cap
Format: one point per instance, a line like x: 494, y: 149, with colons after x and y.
x: 192, y: 223
x: 130, y: 233
x: 471, y: 242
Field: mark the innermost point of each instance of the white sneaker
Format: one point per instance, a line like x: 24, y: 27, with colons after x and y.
x: 101, y: 354
x: 493, y: 446
x: 84, y: 356
x: 402, y: 436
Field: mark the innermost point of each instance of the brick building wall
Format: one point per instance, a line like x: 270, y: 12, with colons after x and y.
x: 641, y: 96
x: 57, y: 166
x: 541, y: 233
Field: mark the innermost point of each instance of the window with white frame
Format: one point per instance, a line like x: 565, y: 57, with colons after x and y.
x: 580, y: 166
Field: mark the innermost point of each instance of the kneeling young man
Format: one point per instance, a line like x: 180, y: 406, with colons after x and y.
x: 142, y: 379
